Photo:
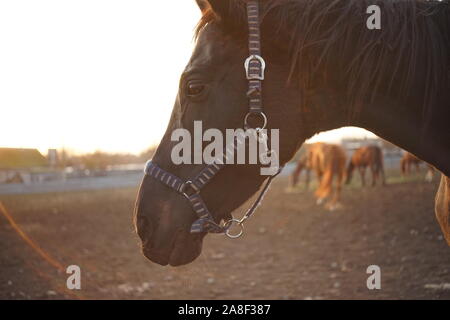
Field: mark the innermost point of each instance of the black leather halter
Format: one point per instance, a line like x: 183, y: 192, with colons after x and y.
x: 254, y: 68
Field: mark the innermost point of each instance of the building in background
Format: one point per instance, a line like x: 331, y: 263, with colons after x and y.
x: 18, y: 165
x: 26, y: 166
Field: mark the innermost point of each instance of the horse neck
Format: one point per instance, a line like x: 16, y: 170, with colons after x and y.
x: 417, y: 120
x: 402, y: 125
x: 399, y: 121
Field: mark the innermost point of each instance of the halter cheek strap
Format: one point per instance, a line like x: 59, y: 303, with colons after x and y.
x: 254, y: 68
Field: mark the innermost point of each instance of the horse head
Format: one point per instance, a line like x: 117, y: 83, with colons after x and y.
x: 214, y: 90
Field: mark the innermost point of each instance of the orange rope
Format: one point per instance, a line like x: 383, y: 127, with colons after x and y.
x: 47, y: 257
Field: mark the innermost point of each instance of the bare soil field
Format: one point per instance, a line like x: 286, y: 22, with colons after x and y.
x: 292, y: 248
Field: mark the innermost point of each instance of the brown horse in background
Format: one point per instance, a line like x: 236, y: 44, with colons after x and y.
x: 302, y: 164
x: 368, y: 156
x: 408, y: 160
x: 430, y: 173
x: 328, y: 161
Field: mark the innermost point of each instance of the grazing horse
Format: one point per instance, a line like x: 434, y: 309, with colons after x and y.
x: 302, y: 164
x: 407, y: 161
x: 325, y: 69
x: 368, y: 156
x: 328, y: 162
x: 430, y: 173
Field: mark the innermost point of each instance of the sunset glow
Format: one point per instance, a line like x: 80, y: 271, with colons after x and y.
x: 89, y: 75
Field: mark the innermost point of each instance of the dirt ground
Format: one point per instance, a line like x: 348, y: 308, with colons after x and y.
x: 292, y: 248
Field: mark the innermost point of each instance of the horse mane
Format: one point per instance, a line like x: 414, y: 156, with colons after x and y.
x: 330, y: 37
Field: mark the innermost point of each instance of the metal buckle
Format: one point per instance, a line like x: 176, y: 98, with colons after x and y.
x: 263, y: 118
x: 247, y: 67
x: 188, y: 184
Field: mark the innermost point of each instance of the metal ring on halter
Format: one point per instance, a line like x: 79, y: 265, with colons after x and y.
x: 188, y: 184
x: 228, y: 226
x: 260, y: 114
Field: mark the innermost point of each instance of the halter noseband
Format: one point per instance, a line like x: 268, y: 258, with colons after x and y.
x: 254, y: 68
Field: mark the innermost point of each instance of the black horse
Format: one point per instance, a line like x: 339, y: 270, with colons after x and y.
x: 325, y: 70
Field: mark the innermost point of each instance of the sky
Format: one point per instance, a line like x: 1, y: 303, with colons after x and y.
x: 90, y: 75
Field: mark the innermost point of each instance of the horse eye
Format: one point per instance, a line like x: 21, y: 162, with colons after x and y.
x: 194, y: 89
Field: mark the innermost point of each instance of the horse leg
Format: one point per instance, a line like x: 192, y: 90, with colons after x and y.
x: 383, y: 176
x: 442, y: 207
x: 430, y: 174
x: 296, y: 174
x: 319, y: 174
x: 325, y: 186
x: 362, y: 173
x: 308, y: 179
x: 403, y: 167
x: 330, y: 205
x: 335, y: 202
x: 374, y: 175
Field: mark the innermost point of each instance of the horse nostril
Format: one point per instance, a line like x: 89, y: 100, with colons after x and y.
x: 144, y: 228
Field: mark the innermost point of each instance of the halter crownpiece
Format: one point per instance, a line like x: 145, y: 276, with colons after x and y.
x: 254, y: 68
